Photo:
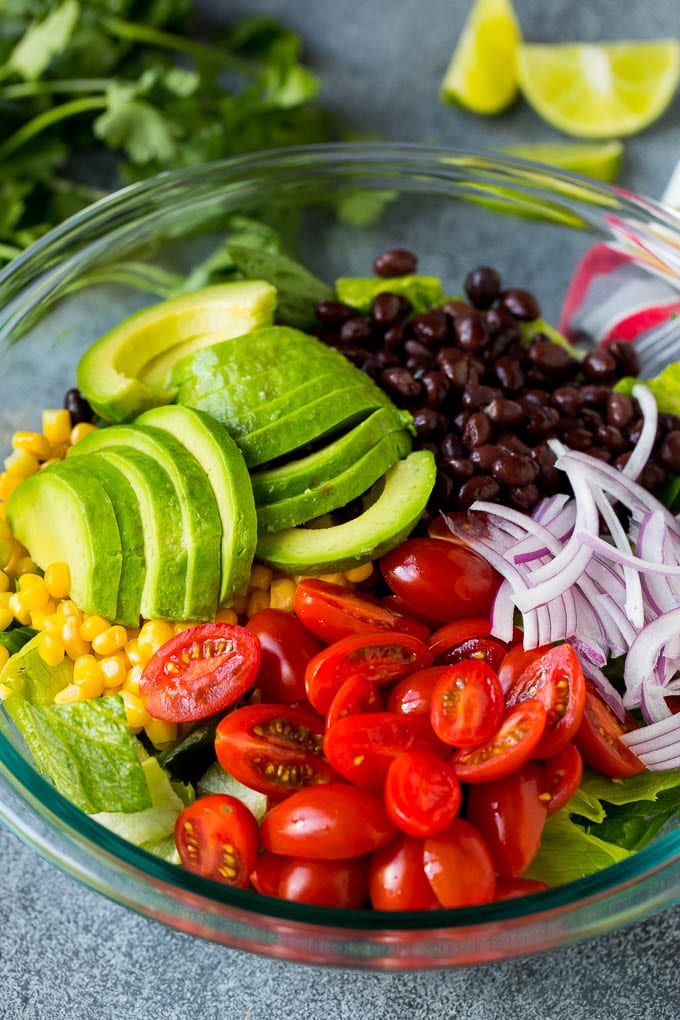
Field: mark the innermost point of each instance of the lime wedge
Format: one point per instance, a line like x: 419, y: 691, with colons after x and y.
x: 603, y: 90
x: 599, y: 160
x: 482, y: 73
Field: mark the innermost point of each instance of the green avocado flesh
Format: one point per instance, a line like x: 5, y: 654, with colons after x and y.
x: 223, y: 463
x: 338, y: 491
x: 404, y: 493
x: 200, y: 525
x: 128, y: 369
x: 68, y: 518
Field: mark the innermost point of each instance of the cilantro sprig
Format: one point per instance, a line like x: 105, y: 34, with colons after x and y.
x: 97, y: 93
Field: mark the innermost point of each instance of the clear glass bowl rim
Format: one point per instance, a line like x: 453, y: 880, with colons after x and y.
x: 76, y: 828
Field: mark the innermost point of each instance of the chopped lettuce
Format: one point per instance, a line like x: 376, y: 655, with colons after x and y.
x: 154, y: 823
x: 216, y: 780
x: 297, y: 290
x: 16, y: 638
x: 665, y: 387
x: 26, y: 674
x: 423, y: 292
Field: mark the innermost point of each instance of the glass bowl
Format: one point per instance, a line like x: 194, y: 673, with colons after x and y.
x: 337, y: 206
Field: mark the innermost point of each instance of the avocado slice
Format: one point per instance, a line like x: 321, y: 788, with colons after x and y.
x: 399, y: 500
x: 110, y: 373
x: 68, y: 518
x: 226, y: 470
x: 201, y: 528
x: 295, y: 476
x: 336, y: 492
x: 165, y: 575
x: 129, y: 520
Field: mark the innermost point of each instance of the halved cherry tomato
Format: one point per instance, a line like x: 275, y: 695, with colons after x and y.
x: 516, y: 661
x: 355, y: 697
x: 362, y: 747
x: 274, y: 749
x: 467, y: 704
x: 422, y: 793
x: 456, y: 631
x: 563, y: 775
x: 512, y: 745
x: 199, y: 672
x: 556, y: 679
x: 466, y: 639
x: 325, y: 883
x: 510, y: 814
x: 598, y: 738
x: 439, y: 579
x: 396, y: 876
x: 413, y: 694
x: 511, y: 888
x: 266, y: 875
x: 333, y: 612
x: 459, y: 866
x: 287, y: 647
x: 382, y: 658
x: 217, y: 837
x: 327, y: 823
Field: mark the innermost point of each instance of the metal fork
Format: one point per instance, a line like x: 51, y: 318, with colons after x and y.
x: 658, y: 347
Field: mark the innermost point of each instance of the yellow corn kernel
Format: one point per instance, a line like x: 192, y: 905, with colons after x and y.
x: 33, y: 591
x: 134, y: 654
x: 257, y: 600
x: 73, y: 642
x: 58, y: 580
x: 226, y: 616
x: 39, y: 617
x: 114, y: 669
x: 58, y: 451
x: 4, y: 656
x: 6, y: 617
x: 7, y: 548
x: 160, y: 732
x: 53, y: 622
x: 260, y: 577
x: 358, y: 574
x: 137, y: 715
x: 67, y: 695
x: 33, y: 443
x: 50, y: 648
x: 8, y: 483
x: 154, y: 634
x: 239, y: 607
x: 131, y: 682
x: 16, y: 605
x: 23, y: 565
x: 282, y: 594
x: 111, y: 640
x: 4, y: 582
x: 336, y: 578
x: 79, y: 431
x: 56, y: 425
x: 84, y: 666
x: 5, y: 596
x: 5, y: 531
x: 91, y: 686
x: 182, y: 625
x: 21, y: 463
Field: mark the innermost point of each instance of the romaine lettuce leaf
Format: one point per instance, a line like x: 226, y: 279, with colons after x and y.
x: 154, y: 823
x: 216, y: 780
x: 16, y: 638
x: 567, y: 852
x: 665, y: 387
x: 26, y: 674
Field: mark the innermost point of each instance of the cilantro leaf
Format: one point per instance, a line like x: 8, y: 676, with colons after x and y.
x: 34, y: 52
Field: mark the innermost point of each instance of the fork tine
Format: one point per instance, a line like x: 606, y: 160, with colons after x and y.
x: 659, y: 347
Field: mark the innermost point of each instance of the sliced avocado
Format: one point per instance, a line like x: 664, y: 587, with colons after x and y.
x: 295, y: 476
x: 424, y: 292
x: 336, y: 492
x: 68, y: 518
x: 165, y: 576
x: 400, y: 499
x: 129, y: 519
x: 223, y: 463
x: 201, y: 528
x: 110, y: 373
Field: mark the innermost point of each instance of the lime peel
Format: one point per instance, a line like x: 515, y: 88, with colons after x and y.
x: 482, y: 73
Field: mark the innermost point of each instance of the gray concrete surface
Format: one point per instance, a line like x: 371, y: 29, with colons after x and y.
x: 66, y: 953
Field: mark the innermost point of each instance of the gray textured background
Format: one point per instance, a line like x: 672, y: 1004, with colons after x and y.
x: 65, y: 952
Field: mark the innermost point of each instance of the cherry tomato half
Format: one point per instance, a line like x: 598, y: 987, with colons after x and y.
x: 516, y: 661
x: 467, y: 704
x: 422, y: 793
x: 362, y: 747
x: 382, y: 658
x: 512, y: 888
x: 442, y: 580
x: 266, y: 875
x: 563, y: 775
x: 287, y: 647
x: 333, y: 612
x: 217, y: 837
x: 396, y: 876
x: 356, y: 696
x: 556, y: 679
x: 413, y: 694
x: 510, y: 814
x: 327, y: 823
x: 459, y: 866
x: 325, y: 883
x: 274, y: 749
x: 199, y: 672
x: 598, y: 738
x: 512, y: 745
x: 466, y: 639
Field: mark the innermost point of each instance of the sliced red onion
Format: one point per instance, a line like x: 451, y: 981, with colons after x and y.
x: 643, y: 448
x: 654, y: 544
x: 641, y: 671
x: 608, y: 551
x: 502, y: 613
x: 604, y: 687
x: 635, y: 609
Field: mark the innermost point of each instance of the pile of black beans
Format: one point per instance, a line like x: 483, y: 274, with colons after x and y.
x: 485, y: 402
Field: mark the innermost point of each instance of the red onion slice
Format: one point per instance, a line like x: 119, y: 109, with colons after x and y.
x: 642, y: 450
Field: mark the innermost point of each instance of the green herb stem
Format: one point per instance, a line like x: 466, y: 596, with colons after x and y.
x: 47, y: 119
x: 29, y: 89
x: 133, y: 32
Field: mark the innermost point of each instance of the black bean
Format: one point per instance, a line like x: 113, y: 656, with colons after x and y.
x: 482, y: 285
x: 455, y: 308
x: 625, y: 356
x: 478, y: 430
x: 386, y: 308
x: 549, y: 474
x: 478, y: 487
x: 427, y: 422
x: 476, y: 397
x: 600, y: 453
x: 431, y: 328
x: 511, y: 441
x: 595, y: 395
x: 359, y: 330
x: 471, y: 332
x: 567, y: 399
x: 484, y: 457
x: 396, y: 335
x: 669, y: 452
x: 505, y: 412
x: 540, y: 420
x: 436, y: 386
x: 537, y: 398
x: 460, y: 373
x: 550, y: 357
x: 334, y: 313
x: 78, y: 407
x: 610, y: 437
x: 520, y: 303
x: 599, y: 366
x: 620, y: 410
x: 578, y: 439
x: 459, y: 467
x: 396, y: 262
x: 400, y: 381
x: 509, y: 374
x: 513, y: 470
x: 501, y: 323
x: 524, y: 497
x: 653, y: 476
x: 443, y: 489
